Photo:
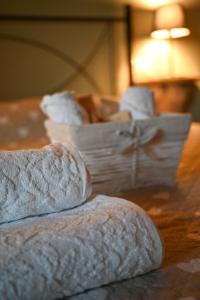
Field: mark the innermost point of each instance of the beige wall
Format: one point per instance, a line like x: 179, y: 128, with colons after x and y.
x: 60, y: 7
x: 28, y: 70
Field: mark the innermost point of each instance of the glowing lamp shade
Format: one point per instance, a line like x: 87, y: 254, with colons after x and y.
x: 169, y: 22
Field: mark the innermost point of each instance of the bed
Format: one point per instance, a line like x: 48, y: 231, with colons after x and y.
x: 175, y: 211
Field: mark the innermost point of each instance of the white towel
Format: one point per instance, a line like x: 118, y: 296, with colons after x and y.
x: 138, y: 101
x: 49, y: 257
x: 41, y: 181
x: 63, y: 108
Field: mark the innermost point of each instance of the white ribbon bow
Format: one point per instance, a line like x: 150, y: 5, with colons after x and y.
x: 136, y: 137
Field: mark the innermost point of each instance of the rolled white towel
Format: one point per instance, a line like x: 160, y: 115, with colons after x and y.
x: 49, y: 257
x: 63, y: 108
x: 41, y: 181
x: 139, y: 102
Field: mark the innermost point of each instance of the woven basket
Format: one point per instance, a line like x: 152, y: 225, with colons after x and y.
x: 127, y: 155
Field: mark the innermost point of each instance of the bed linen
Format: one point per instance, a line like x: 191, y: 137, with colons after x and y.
x: 21, y: 124
x: 175, y: 211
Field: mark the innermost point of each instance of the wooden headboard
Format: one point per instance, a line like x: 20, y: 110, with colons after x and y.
x: 42, y: 54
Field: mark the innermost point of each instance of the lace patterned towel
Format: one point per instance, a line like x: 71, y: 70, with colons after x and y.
x: 34, y: 182
x: 49, y: 257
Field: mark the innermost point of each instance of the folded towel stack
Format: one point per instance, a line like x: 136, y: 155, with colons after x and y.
x: 64, y: 253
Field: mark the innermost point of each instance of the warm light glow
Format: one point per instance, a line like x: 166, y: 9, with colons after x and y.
x: 122, y: 78
x: 162, y: 58
x: 169, y: 22
x: 179, y: 32
x: 160, y: 34
x: 154, y: 4
x: 169, y: 16
x: 150, y: 60
x: 150, y: 4
x: 170, y: 33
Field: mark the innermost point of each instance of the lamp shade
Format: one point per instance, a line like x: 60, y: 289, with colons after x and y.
x: 169, y: 22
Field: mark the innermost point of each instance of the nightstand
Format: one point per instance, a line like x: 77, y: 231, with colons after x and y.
x: 172, y: 95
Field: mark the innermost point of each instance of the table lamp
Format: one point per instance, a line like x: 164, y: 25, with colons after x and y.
x: 170, y: 22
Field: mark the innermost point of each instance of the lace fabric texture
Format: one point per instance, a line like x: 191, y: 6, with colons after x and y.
x: 106, y: 240
x: 35, y: 182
